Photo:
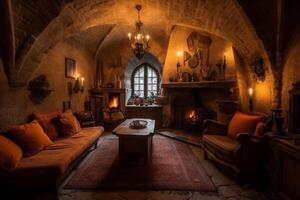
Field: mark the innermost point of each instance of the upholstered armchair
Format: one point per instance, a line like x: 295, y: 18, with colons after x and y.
x: 238, y: 145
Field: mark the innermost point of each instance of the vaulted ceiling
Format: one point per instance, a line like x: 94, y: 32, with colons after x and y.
x: 34, y: 27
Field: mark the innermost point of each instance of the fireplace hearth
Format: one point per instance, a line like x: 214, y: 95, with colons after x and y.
x: 189, y: 113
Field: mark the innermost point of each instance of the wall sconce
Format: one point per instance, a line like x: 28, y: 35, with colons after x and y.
x: 251, y: 101
x: 259, y: 70
x: 78, y: 86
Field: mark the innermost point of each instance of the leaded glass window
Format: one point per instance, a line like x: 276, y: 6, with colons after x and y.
x: 145, y: 81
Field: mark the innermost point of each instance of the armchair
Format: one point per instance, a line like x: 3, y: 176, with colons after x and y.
x: 232, y: 146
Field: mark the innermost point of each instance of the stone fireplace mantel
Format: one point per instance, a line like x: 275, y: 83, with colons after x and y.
x: 201, y: 84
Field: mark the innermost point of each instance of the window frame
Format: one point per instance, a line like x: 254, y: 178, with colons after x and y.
x: 145, y: 66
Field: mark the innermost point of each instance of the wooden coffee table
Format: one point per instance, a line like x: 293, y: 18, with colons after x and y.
x: 134, y: 142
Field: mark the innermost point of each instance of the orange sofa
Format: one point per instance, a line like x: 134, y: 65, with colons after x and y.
x: 48, y: 168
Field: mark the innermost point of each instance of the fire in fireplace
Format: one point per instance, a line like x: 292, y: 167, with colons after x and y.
x: 192, y: 116
x: 188, y: 113
x: 114, y: 101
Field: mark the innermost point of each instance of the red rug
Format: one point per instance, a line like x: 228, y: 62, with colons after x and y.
x: 173, y: 166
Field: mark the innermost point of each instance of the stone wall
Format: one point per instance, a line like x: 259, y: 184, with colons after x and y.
x: 291, y: 73
x: 15, y: 104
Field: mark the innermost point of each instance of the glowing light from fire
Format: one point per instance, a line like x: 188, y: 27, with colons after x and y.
x: 114, y: 102
x: 192, y: 116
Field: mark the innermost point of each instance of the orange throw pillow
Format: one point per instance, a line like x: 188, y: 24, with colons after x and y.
x: 260, y: 128
x: 10, y: 154
x: 69, y: 124
x: 49, y: 122
x: 30, y: 137
x: 243, y: 123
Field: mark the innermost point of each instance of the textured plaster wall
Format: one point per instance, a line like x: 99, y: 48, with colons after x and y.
x: 291, y: 73
x: 178, y: 42
x: 15, y: 105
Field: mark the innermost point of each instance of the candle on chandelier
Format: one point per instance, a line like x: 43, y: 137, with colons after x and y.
x: 82, y: 79
x: 129, y: 36
x: 147, y: 38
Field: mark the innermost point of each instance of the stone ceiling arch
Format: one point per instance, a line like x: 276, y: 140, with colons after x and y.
x: 224, y: 18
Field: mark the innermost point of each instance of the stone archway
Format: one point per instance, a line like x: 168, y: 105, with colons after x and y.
x: 219, y: 17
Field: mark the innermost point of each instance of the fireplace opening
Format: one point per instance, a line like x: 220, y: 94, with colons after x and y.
x: 188, y: 113
x: 114, y: 101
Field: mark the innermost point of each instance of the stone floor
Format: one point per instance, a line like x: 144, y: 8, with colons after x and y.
x: 227, y: 189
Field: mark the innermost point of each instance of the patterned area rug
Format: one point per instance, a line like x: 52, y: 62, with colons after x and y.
x: 184, y: 136
x: 173, y: 166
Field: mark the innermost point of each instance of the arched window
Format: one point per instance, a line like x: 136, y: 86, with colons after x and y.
x: 145, y: 79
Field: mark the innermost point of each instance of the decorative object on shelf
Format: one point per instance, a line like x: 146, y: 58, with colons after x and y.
x: 39, y: 89
x: 194, y: 77
x: 110, y: 85
x: 278, y: 121
x: 186, y: 77
x: 138, y: 124
x: 137, y: 101
x: 70, y: 68
x: 251, y: 101
x: 139, y: 41
x: 259, y: 70
x: 206, y: 71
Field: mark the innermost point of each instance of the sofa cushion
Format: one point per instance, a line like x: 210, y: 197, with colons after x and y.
x: 49, y: 122
x: 243, y: 123
x: 222, y: 147
x: 55, y: 159
x: 10, y: 154
x: 30, y: 137
x: 69, y: 124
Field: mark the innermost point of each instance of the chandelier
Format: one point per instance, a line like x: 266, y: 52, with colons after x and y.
x: 139, y: 42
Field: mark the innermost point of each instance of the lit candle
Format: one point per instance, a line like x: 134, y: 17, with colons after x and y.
x: 178, y: 55
x: 82, y: 79
x: 250, y: 92
x: 77, y: 76
x: 147, y: 37
x: 251, y: 102
x: 129, y: 36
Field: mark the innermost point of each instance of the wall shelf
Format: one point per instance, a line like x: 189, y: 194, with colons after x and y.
x: 201, y: 84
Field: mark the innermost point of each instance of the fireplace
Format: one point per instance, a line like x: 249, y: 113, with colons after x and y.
x: 112, y: 105
x: 188, y: 113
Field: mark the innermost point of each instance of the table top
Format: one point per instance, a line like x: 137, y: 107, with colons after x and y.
x: 124, y: 129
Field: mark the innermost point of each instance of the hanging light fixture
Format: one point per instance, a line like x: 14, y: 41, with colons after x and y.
x: 139, y: 41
